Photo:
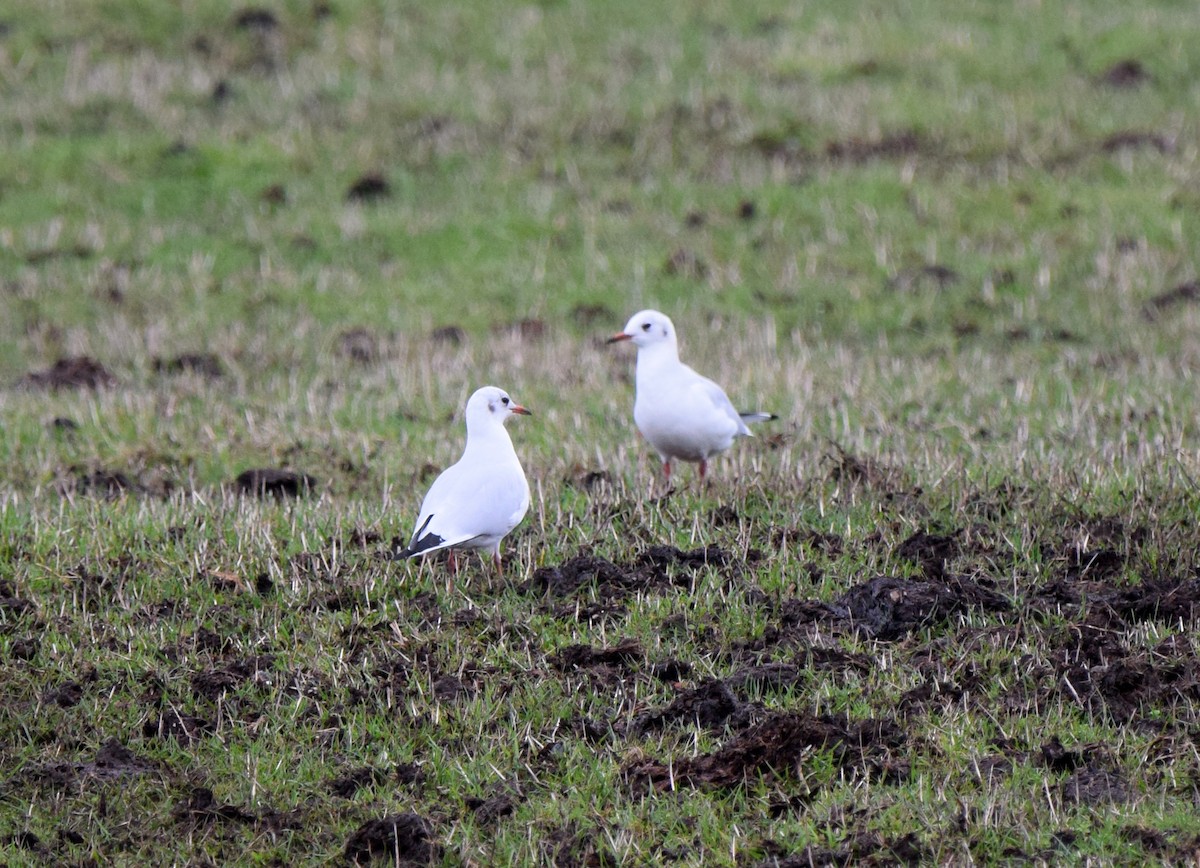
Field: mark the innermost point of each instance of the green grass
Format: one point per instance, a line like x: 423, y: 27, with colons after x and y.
x: 911, y: 231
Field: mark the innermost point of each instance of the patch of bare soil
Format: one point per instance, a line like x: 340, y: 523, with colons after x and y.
x: 368, y: 188
x: 1163, y: 302
x: 888, y: 147
x: 347, y: 784
x: 200, y: 808
x: 654, y: 568
x: 274, y: 482
x: 865, y: 848
x: 1135, y: 140
x: 888, y: 608
x: 625, y: 655
x: 712, y: 705
x: 1128, y: 73
x: 778, y: 746
x: 685, y: 263
x: 113, y: 761
x: 104, y: 483
x: 359, y: 345
x: 204, y: 364
x: 402, y: 839
x: 73, y: 372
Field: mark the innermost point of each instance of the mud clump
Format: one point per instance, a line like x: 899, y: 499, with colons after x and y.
x: 890, y: 147
x: 185, y: 729
x: 113, y: 762
x: 1094, y: 786
x: 777, y: 747
x: 204, y: 364
x: 661, y: 556
x: 710, y: 706
x: 685, y: 263
x: 274, y: 482
x: 888, y: 608
x: 930, y: 551
x: 369, y: 188
x: 74, y: 372
x: 613, y: 582
x: 1128, y: 73
x: 201, y: 808
x: 255, y: 18
x: 626, y: 654
x: 1186, y: 292
x: 865, y: 848
x: 359, y: 345
x: 405, y: 838
x: 108, y: 484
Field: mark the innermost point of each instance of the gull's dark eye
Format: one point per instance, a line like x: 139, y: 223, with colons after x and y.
x: 646, y: 327
x: 504, y: 400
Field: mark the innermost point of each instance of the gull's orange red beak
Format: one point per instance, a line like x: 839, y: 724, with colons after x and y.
x: 619, y: 336
x: 519, y: 410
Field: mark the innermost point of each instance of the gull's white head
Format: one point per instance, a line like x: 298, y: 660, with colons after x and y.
x: 647, y: 328
x: 490, y: 403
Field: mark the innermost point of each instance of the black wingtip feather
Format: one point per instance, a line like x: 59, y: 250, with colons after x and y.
x: 419, y: 543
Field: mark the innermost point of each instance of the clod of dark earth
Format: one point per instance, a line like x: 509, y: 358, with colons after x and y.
x: 930, y: 551
x: 1134, y: 139
x: 1184, y: 292
x: 369, y: 187
x: 105, y: 483
x: 273, y: 194
x: 255, y: 18
x: 451, y: 334
x: 1125, y: 74
x: 73, y: 372
x: 778, y: 747
x: 275, y: 482
x: 888, y: 608
x: 626, y: 654
x: 614, y: 582
x: 685, y: 263
x: 490, y: 810
x: 527, y: 329
x: 1094, y: 786
x: 201, y: 808
x: 931, y: 276
x: 113, y: 761
x: 712, y: 706
x: 865, y: 848
x: 856, y: 150
x: 405, y: 838
x: 358, y: 345
x: 204, y: 364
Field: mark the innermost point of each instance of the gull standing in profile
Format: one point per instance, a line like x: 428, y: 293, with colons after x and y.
x: 476, y: 502
x: 681, y: 414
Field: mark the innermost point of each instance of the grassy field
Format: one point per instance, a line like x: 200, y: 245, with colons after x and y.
x: 941, y: 611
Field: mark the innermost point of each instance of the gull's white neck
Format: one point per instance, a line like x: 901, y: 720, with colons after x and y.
x: 655, y: 357
x: 488, y: 436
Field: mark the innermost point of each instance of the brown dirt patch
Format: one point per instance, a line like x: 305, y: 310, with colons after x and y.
x: 777, y: 747
x: 73, y: 372
x: 274, y: 482
x: 405, y: 839
x: 204, y: 364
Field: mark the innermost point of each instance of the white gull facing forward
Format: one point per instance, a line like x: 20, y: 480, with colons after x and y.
x: 681, y: 414
x: 476, y: 502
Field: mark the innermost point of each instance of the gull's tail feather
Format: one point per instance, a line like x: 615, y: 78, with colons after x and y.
x: 420, y: 544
